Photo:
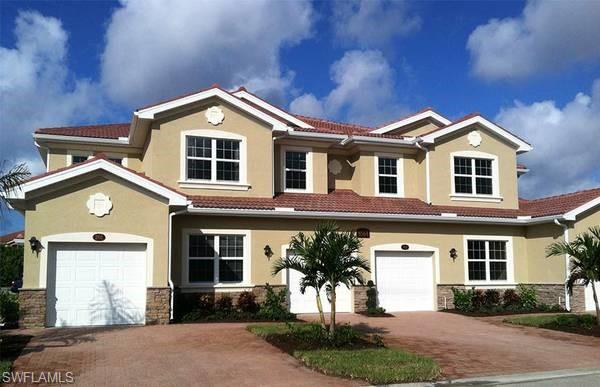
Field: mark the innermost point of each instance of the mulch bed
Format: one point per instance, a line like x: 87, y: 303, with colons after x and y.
x: 501, y: 313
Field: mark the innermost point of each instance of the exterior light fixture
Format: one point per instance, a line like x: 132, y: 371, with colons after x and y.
x: 453, y: 254
x: 35, y: 244
x: 268, y: 252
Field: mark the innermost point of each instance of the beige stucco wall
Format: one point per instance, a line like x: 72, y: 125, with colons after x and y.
x: 64, y: 211
x: 162, y: 155
x: 441, y: 168
x: 542, y: 269
x: 277, y: 232
x: 416, y: 129
x: 586, y: 220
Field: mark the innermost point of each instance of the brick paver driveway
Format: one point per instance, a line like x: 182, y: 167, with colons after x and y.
x: 466, y: 346
x: 226, y: 354
x: 171, y: 355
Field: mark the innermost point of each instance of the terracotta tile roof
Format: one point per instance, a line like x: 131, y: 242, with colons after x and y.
x: 521, y: 166
x: 112, y: 131
x: 327, y: 126
x: 12, y: 236
x: 425, y: 109
x: 214, y: 86
x: 559, y: 204
x: 347, y: 201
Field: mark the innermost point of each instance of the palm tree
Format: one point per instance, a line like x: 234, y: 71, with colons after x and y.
x: 13, y: 178
x: 584, y: 267
x: 305, y: 258
x: 330, y: 258
x: 341, y: 262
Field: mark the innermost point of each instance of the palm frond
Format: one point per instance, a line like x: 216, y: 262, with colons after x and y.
x: 14, y: 177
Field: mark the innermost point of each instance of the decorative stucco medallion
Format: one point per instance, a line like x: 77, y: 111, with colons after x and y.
x: 215, y: 115
x: 99, y: 204
x: 474, y: 138
x: 334, y: 166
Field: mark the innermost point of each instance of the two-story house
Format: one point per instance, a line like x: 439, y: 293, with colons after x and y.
x: 201, y: 192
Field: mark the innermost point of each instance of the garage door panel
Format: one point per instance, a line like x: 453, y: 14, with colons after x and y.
x: 307, y: 303
x: 405, y: 281
x: 589, y: 297
x: 97, y: 285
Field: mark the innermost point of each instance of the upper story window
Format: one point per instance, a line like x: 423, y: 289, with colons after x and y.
x: 297, y: 169
x: 76, y: 157
x: 388, y: 175
x: 488, y: 259
x: 216, y: 257
x: 474, y: 175
x: 213, y: 160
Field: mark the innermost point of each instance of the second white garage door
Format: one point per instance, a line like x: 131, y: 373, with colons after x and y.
x: 94, y: 284
x: 307, y: 302
x: 590, y: 305
x: 404, y: 280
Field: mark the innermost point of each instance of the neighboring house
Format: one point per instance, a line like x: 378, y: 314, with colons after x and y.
x: 12, y: 239
x: 194, y: 191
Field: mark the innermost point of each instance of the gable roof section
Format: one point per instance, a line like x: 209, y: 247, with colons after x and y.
x: 98, y: 162
x: 570, y: 204
x: 12, y: 238
x: 472, y: 119
x: 108, y: 131
x: 423, y: 114
x: 151, y: 111
x: 244, y: 94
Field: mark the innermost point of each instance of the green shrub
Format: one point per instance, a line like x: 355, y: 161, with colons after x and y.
x: 376, y: 310
x: 371, y: 296
x: 528, y: 297
x: 477, y: 299
x: 491, y: 298
x: 224, y: 304
x: 511, y: 299
x: 11, y: 264
x: 274, y: 308
x: 314, y: 336
x: 9, y: 307
x: 247, y: 302
x: 463, y: 299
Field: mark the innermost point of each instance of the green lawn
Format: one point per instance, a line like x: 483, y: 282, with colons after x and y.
x: 575, y: 323
x: 5, y: 366
x: 376, y: 365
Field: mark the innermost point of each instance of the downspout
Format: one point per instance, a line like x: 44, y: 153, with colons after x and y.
x: 427, y: 184
x: 169, y: 270
x: 567, y: 261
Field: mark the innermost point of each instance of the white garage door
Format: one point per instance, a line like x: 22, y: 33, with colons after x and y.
x: 589, y: 297
x: 307, y: 303
x: 92, y: 284
x: 404, y: 280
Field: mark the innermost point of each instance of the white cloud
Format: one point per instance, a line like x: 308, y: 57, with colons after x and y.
x: 565, y: 140
x: 548, y: 35
x: 372, y: 23
x: 364, y: 91
x: 156, y: 49
x: 36, y: 89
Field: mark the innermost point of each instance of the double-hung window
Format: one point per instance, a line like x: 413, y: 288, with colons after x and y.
x: 473, y: 176
x: 212, y: 159
x: 488, y: 260
x: 296, y: 169
x: 388, y: 172
x: 216, y: 258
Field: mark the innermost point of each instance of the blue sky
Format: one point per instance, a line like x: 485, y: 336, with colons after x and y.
x: 531, y: 66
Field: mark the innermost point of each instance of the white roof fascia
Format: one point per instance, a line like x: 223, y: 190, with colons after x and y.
x: 523, y: 146
x: 273, y: 109
x: 411, y: 120
x: 122, y: 141
x: 572, y: 215
x: 151, y: 112
x: 175, y: 199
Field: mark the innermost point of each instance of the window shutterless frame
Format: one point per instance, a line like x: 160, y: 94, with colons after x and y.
x: 399, y: 175
x: 510, y: 279
x: 309, y: 169
x: 472, y: 167
x: 216, y: 283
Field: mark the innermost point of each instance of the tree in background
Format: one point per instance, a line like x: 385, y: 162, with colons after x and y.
x: 11, y: 264
x: 9, y: 179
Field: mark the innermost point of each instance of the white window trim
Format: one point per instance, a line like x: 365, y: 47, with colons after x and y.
x: 510, y: 271
x: 399, y: 174
x: 184, y: 182
x: 89, y: 155
x: 246, y: 281
x: 474, y: 197
x: 309, y: 168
